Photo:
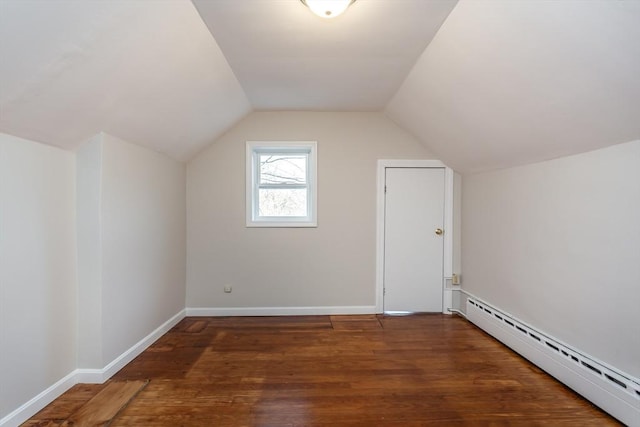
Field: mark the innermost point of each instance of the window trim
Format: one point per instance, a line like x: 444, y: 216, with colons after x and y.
x: 253, y: 149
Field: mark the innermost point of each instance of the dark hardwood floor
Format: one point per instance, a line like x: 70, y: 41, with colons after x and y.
x: 333, y: 371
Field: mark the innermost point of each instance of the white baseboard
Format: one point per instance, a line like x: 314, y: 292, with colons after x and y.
x: 30, y: 408
x: 98, y: 376
x: 611, y: 389
x: 89, y: 376
x: 278, y: 311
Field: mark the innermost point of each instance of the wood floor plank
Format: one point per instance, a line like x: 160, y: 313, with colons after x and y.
x: 103, y: 407
x: 46, y: 423
x: 367, y: 370
x: 65, y: 405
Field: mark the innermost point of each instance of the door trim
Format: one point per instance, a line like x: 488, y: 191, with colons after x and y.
x: 447, y: 267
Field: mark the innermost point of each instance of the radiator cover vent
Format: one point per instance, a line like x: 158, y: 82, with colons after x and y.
x: 615, y: 392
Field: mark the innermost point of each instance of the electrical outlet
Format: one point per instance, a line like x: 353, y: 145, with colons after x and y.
x: 227, y: 289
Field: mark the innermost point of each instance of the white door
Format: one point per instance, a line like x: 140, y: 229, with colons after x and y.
x: 413, y: 241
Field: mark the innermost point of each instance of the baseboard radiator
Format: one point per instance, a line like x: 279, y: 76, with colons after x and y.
x: 615, y: 392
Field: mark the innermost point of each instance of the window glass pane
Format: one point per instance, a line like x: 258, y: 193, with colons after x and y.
x: 283, y: 168
x: 282, y: 202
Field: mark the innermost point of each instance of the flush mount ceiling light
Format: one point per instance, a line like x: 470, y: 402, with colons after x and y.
x: 328, y: 8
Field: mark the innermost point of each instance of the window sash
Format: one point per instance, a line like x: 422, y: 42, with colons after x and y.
x: 274, y: 173
x: 255, y: 150
x: 258, y: 186
x: 278, y: 152
x: 281, y: 186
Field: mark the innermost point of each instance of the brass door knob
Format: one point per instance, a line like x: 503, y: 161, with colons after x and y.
x: 439, y: 231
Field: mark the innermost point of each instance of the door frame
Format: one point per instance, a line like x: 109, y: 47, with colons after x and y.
x: 447, y: 268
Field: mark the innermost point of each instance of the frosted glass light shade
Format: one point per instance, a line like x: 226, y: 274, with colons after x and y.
x: 328, y: 8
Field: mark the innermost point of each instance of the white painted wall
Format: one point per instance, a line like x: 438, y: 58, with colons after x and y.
x: 557, y: 244
x: 143, y: 242
x: 328, y: 266
x: 139, y: 258
x: 89, y: 231
x: 457, y: 223
x: 38, y: 307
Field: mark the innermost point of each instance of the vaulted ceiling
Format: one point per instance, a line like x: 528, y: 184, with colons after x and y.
x: 506, y: 83
x: 146, y: 71
x: 289, y: 59
x: 484, y: 84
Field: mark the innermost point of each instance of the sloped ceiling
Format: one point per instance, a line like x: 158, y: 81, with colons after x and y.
x: 513, y: 82
x: 502, y: 83
x: 286, y: 58
x: 146, y: 71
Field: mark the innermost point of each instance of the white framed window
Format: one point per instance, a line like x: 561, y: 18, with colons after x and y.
x: 281, y: 184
